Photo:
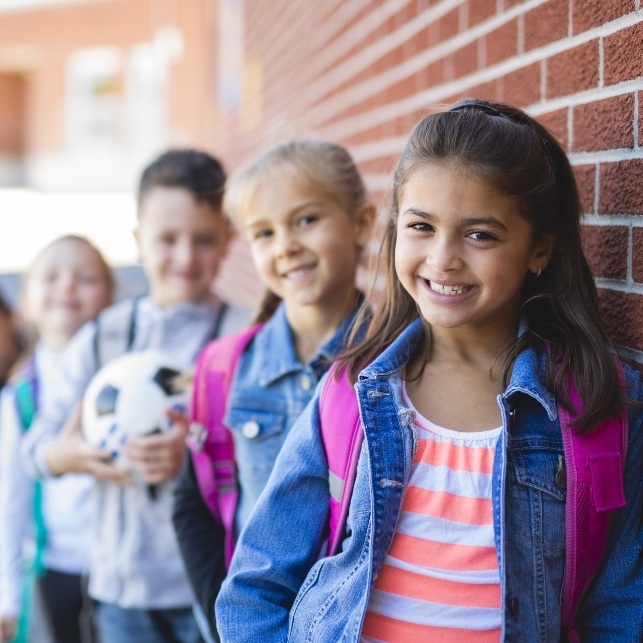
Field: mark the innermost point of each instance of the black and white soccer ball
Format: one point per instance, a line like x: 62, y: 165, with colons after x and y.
x: 129, y: 397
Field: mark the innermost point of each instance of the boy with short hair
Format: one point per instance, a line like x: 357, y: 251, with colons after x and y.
x: 136, y: 573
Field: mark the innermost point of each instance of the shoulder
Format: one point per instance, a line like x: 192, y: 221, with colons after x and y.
x: 234, y: 318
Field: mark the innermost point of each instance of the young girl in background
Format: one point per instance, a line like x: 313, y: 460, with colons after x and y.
x: 68, y: 284
x: 303, y: 209
x: 456, y: 527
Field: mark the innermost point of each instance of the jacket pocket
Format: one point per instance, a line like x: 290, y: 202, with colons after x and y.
x: 536, y: 492
x: 259, y: 436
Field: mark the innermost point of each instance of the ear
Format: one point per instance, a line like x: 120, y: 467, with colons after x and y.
x: 542, y: 252
x: 363, y: 224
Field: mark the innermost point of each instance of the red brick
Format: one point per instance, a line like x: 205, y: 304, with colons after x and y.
x: 547, y: 23
x: 606, y: 250
x: 620, y: 187
x: 573, y: 71
x: 622, y: 314
x: 502, y: 43
x: 623, y: 55
x: 604, y: 125
x: 556, y: 123
x: 481, y: 10
x: 587, y: 14
x: 465, y: 60
x: 586, y: 182
x: 521, y: 87
x: 445, y: 27
x: 485, y: 91
x: 640, y: 97
x: 637, y: 254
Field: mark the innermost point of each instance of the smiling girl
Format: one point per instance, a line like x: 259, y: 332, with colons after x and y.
x: 456, y: 524
x: 67, y: 285
x: 303, y: 209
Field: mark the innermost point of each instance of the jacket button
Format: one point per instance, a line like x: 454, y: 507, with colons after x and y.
x: 305, y: 382
x: 514, y: 606
x: 250, y: 429
x: 561, y: 479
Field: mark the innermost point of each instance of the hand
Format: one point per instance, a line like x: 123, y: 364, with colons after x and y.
x: 69, y: 452
x: 158, y: 457
x: 8, y: 628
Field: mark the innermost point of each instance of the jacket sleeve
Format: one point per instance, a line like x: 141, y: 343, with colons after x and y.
x: 281, y: 540
x: 611, y: 609
x: 200, y: 538
x: 65, y: 389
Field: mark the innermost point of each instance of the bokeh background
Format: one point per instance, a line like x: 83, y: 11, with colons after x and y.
x: 90, y: 90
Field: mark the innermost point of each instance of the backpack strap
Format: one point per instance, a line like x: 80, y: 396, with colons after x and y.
x: 338, y: 407
x: 115, y: 328
x: 210, y: 442
x: 26, y: 394
x: 595, y: 464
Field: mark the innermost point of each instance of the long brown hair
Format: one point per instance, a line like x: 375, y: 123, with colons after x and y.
x: 521, y: 158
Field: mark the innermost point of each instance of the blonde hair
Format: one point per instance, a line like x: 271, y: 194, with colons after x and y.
x: 323, y: 166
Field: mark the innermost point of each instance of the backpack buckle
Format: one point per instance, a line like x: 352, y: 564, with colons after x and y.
x: 196, y: 437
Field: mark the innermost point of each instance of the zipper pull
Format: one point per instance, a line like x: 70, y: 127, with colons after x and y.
x: 561, y: 476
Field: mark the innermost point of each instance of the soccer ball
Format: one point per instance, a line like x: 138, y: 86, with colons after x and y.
x: 128, y: 397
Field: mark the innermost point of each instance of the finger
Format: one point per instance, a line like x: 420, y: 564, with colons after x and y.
x: 109, y: 473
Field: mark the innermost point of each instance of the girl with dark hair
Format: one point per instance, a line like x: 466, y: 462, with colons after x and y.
x: 456, y: 525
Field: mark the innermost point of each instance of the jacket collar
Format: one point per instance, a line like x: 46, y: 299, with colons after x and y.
x: 274, y: 342
x: 527, y: 377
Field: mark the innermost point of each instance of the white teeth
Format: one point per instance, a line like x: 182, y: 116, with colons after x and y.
x: 449, y: 290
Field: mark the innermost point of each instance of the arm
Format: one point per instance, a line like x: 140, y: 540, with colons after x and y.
x: 611, y: 609
x: 16, y: 497
x: 54, y: 444
x: 267, y: 570
x: 200, y: 539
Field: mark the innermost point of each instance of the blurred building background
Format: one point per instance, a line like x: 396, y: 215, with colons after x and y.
x: 91, y: 89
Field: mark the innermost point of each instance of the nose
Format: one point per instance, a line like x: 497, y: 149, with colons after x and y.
x: 184, y: 252
x: 287, y: 244
x: 445, y: 255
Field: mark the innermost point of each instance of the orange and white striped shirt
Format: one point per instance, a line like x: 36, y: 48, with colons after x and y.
x: 440, y: 579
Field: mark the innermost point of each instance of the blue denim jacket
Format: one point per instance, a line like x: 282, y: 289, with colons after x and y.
x: 279, y: 589
x: 270, y: 390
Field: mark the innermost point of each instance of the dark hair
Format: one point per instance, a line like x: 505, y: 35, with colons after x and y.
x: 521, y: 158
x: 194, y: 170
x: 325, y: 167
x: 4, y: 306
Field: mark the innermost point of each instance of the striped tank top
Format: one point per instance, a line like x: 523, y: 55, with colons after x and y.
x: 440, y: 579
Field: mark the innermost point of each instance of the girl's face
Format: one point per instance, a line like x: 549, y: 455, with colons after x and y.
x: 305, y: 245
x: 181, y: 242
x: 66, y: 287
x: 463, y: 249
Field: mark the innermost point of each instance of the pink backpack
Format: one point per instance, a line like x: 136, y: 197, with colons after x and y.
x: 595, y: 464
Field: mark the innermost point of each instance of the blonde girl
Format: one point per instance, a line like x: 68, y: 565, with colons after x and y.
x: 67, y: 284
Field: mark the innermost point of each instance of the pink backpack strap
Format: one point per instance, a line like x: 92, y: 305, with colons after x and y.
x: 595, y: 464
x: 342, y: 435
x: 209, y: 440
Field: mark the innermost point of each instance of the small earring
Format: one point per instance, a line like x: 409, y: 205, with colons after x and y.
x: 538, y: 273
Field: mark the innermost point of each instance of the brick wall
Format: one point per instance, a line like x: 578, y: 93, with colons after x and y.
x: 361, y: 72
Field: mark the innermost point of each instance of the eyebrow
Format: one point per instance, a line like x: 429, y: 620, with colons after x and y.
x: 468, y: 221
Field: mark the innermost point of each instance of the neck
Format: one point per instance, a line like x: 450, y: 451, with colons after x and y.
x: 313, y: 326
x: 56, y: 340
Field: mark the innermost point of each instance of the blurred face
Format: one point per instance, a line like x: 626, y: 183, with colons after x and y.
x: 66, y: 287
x: 305, y: 246
x: 182, y: 243
x: 463, y: 250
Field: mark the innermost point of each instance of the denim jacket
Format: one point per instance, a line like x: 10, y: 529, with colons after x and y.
x: 280, y: 589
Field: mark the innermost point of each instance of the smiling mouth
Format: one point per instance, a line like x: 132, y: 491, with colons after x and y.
x: 299, y: 272
x: 458, y: 289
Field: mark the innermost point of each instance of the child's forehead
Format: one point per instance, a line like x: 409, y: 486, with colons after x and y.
x: 163, y: 205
